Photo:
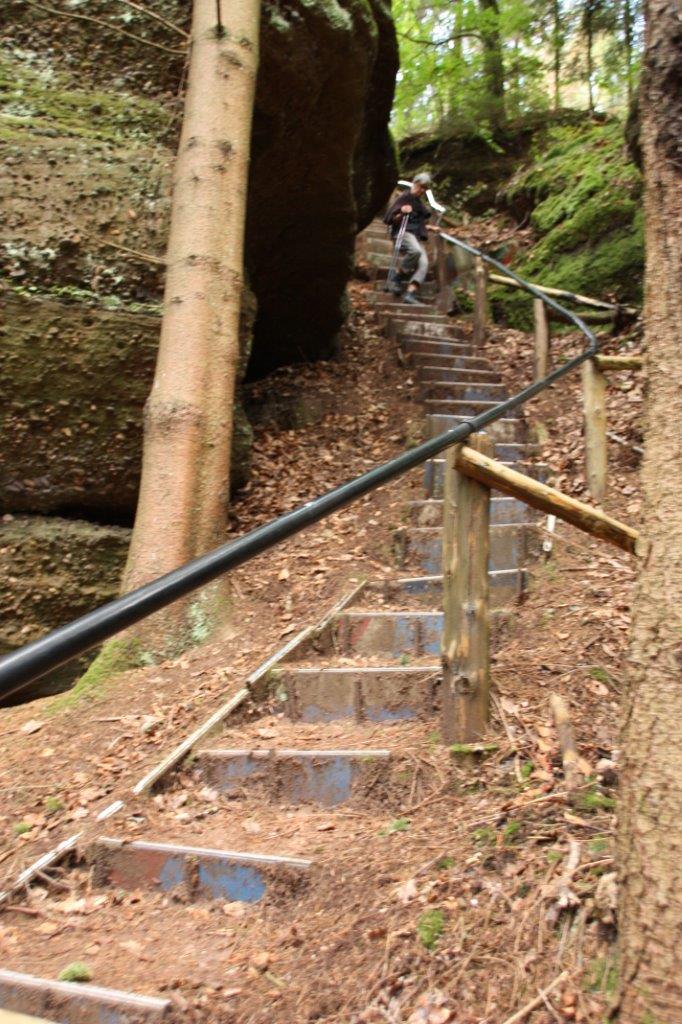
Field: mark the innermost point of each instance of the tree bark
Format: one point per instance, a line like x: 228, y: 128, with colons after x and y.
x: 557, y: 47
x: 650, y: 819
x: 183, y: 499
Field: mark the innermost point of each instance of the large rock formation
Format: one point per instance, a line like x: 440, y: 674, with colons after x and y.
x: 88, y: 126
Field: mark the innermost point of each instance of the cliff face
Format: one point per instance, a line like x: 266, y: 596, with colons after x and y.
x: 88, y: 125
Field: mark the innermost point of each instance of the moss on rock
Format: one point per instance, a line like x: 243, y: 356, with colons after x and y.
x: 585, y: 198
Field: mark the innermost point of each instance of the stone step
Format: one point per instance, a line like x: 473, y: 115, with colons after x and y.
x: 505, y: 430
x: 396, y: 634
x: 503, y: 511
x: 406, y: 328
x: 506, y: 585
x: 387, y: 304
x: 365, y: 693
x: 200, y: 873
x: 427, y: 291
x: 457, y: 375
x: 429, y: 347
x: 453, y: 407
x: 422, y: 546
x: 327, y: 777
x: 462, y: 391
x: 379, y: 245
x: 75, y: 1003
x: 455, y: 362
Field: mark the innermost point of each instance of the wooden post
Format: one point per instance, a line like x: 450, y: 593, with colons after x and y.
x: 480, y: 301
x: 465, y: 642
x: 443, y: 298
x: 541, y: 357
x: 594, y: 404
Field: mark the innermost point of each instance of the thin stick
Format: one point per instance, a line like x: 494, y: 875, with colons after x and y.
x: 525, y: 1010
x: 569, y: 752
x: 156, y: 17
x: 104, y: 24
x: 146, y: 257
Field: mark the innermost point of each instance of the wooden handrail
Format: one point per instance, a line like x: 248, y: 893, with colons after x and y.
x: 619, y: 362
x: 546, y: 499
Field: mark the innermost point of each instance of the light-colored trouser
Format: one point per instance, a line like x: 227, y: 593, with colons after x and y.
x: 415, y: 260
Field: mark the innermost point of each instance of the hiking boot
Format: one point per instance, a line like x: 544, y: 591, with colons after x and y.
x: 411, y: 298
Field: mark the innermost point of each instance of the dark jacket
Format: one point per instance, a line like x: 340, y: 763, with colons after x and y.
x: 417, y: 219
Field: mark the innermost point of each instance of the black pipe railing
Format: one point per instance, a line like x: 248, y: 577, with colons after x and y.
x: 21, y: 668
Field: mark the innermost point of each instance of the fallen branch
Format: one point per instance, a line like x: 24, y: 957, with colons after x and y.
x: 539, y: 999
x: 569, y: 753
x: 156, y: 17
x: 104, y: 24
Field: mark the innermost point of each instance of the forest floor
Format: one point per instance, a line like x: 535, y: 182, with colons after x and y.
x: 476, y: 886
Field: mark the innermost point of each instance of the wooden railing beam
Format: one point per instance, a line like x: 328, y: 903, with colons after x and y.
x: 546, y: 499
x: 619, y: 362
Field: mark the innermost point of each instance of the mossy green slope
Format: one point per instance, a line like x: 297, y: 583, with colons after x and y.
x: 586, y: 202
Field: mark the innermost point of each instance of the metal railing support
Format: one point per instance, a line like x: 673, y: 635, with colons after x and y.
x: 465, y: 644
x: 480, y: 301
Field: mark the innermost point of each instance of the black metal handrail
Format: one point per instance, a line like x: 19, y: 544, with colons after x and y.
x: 19, y: 669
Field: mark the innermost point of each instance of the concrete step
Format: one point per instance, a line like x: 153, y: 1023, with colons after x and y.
x: 505, y: 430
x: 452, y: 362
x: 457, y: 375
x: 427, y: 291
x: 463, y: 391
x: 365, y: 693
x: 422, y: 547
x: 199, y: 873
x: 75, y: 1003
x: 453, y: 407
x: 436, y: 347
x: 406, y: 328
x: 384, y: 302
x: 378, y: 245
x: 327, y: 777
x: 503, y: 510
x: 506, y: 585
x: 393, y: 634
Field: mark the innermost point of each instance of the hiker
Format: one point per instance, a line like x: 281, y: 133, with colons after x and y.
x: 415, y: 262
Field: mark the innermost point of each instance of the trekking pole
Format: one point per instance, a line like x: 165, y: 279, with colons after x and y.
x: 396, y: 252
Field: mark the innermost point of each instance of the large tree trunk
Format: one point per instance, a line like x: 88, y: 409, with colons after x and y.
x: 183, y: 497
x: 493, y: 64
x: 650, y: 841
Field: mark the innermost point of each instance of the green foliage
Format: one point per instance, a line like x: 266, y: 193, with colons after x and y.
x: 398, y: 825
x: 585, y: 197
x: 21, y: 828
x: 484, y: 836
x: 550, y: 54
x: 511, y: 833
x: 527, y: 769
x: 76, y: 971
x: 602, y: 975
x: 53, y: 804
x: 430, y: 927
x: 593, y: 801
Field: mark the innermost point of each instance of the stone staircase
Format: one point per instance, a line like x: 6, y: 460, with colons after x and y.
x: 375, y: 664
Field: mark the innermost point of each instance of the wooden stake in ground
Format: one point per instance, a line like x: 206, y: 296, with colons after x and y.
x: 480, y: 301
x: 650, y: 813
x: 541, y: 350
x: 184, y: 493
x: 466, y: 626
x: 569, y: 751
x: 594, y: 402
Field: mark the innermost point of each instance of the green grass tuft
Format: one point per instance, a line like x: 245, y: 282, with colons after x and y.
x: 430, y: 927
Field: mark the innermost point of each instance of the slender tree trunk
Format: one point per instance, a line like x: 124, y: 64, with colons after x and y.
x: 627, y: 43
x: 589, y: 44
x: 183, y: 499
x: 650, y: 818
x: 493, y: 64
x: 557, y: 46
